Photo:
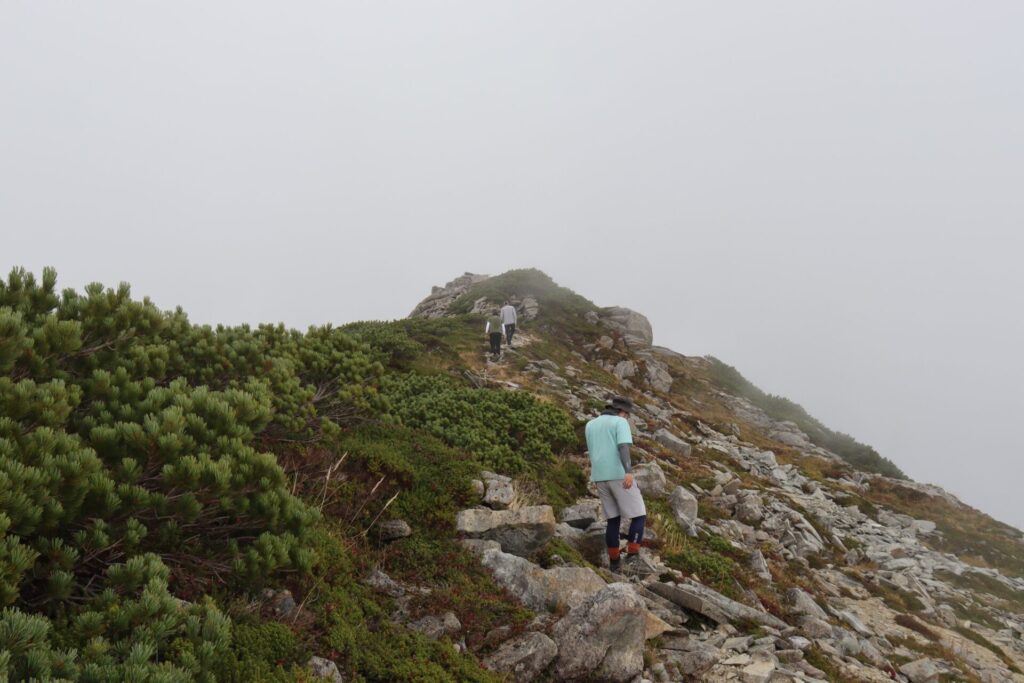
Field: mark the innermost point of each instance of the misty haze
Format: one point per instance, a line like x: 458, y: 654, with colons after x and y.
x: 788, y: 235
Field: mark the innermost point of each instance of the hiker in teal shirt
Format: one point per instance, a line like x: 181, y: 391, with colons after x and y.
x: 608, y: 441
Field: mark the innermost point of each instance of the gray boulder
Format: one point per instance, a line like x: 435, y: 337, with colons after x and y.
x: 436, y: 627
x: 924, y: 526
x: 672, y: 442
x: 523, y: 658
x: 382, y: 583
x: 582, y: 514
x: 801, y: 602
x: 281, y: 602
x: 712, y: 604
x: 658, y: 376
x: 815, y: 628
x: 499, y: 494
x: 650, y: 478
x: 538, y: 588
x: 592, y: 546
x: 738, y: 644
x: 759, y: 565
x: 520, y: 532
x: 921, y: 671
x: 568, y: 532
x: 947, y: 615
x: 684, y: 507
x: 325, y: 669
x: 696, y: 662
x: 529, y: 307
x: 602, y: 638
x: 625, y: 369
x: 750, y: 509
x: 394, y: 529
x: 761, y: 668
x: 635, y: 328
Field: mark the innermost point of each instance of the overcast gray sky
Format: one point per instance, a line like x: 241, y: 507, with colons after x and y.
x: 826, y: 195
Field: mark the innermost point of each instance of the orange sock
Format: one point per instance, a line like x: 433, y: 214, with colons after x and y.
x: 633, y: 548
x: 613, y: 553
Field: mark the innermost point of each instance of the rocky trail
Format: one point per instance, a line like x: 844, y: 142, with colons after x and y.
x: 832, y: 588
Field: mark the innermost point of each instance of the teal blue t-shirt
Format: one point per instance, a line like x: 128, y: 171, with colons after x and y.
x: 604, y: 434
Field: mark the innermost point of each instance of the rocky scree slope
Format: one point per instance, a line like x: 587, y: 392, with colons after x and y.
x: 771, y: 557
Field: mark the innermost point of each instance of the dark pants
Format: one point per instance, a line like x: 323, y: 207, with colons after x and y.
x: 636, y: 531
x: 495, y: 343
x: 509, y: 331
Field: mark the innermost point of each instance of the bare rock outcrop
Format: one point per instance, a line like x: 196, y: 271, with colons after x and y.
x: 634, y: 327
x: 519, y: 532
x: 441, y: 298
x: 538, y: 588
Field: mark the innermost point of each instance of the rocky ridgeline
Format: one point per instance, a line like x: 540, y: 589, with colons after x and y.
x: 665, y: 625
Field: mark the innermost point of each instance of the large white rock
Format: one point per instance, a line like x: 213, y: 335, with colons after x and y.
x: 761, y: 669
x: 921, y: 671
x: 672, y: 442
x: 524, y: 657
x: 802, y: 603
x: 538, y: 588
x: 499, y: 495
x: 658, y: 376
x: 635, y: 328
x: 325, y: 670
x: 712, y: 604
x: 582, y: 513
x: 602, y: 638
x: 624, y: 369
x: 650, y: 478
x: 684, y: 507
x: 519, y: 532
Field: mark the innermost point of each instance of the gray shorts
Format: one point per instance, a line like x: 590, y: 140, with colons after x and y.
x: 620, y: 502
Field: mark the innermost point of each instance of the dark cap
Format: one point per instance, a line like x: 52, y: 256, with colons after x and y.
x: 619, y: 403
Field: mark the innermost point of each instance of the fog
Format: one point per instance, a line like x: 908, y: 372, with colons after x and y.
x: 826, y: 195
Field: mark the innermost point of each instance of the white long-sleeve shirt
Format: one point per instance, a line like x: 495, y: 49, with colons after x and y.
x: 508, y: 315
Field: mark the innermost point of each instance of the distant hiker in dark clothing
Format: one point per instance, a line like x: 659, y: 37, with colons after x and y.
x: 493, y: 331
x: 608, y: 440
x: 508, y: 321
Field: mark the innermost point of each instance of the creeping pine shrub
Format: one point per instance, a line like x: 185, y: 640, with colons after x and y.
x: 133, y: 630
x: 133, y: 457
x: 431, y: 480
x: 390, y: 340
x: 505, y: 430
x: 261, y: 653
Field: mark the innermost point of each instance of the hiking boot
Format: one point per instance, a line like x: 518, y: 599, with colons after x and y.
x: 615, y: 566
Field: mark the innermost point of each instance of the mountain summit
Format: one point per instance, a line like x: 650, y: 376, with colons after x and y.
x: 397, y: 501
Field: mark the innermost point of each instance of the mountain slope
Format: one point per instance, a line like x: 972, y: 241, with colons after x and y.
x: 385, y: 502
x: 887, y: 549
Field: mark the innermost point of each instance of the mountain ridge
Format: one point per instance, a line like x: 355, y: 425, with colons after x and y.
x: 647, y: 373
x: 386, y: 501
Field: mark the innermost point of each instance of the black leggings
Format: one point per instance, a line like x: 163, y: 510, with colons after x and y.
x: 495, y: 343
x: 636, y: 531
x: 509, y: 331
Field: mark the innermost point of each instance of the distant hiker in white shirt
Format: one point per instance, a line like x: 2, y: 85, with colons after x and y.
x: 493, y: 332
x: 508, y: 321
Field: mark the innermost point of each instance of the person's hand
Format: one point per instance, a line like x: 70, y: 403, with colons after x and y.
x: 627, y: 482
